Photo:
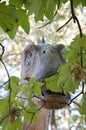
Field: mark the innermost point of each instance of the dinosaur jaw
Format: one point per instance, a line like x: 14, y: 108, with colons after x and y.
x: 53, y: 100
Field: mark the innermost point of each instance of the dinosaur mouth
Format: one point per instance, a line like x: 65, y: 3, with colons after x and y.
x: 54, y: 100
x: 47, y: 92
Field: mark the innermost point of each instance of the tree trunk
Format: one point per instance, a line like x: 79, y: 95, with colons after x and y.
x: 43, y: 121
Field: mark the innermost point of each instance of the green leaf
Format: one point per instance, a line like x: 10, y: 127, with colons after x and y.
x: 23, y: 20
x: 14, y: 82
x: 28, y: 116
x: 70, y: 85
x: 35, y: 86
x: 15, y: 86
x: 51, y: 83
x: 79, y: 41
x: 83, y: 107
x: 64, y: 73
x: 8, y: 18
x: 63, y: 2
x: 5, y: 123
x: 50, y: 8
x: 77, y: 2
x: 4, y: 109
x: 84, y: 3
x: 73, y: 52
x: 37, y: 7
x: 16, y: 125
x: 16, y: 3
x: 41, y: 8
x: 12, y: 33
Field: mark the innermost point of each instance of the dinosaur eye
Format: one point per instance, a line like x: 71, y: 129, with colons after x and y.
x: 28, y: 55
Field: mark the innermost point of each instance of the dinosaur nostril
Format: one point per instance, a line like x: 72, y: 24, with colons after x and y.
x: 44, y: 51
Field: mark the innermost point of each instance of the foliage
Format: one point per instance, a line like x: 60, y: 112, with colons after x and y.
x: 70, y: 75
x: 16, y: 13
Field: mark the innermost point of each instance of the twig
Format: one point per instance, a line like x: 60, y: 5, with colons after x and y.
x: 79, y: 26
x: 9, y: 85
x: 4, y: 84
x: 81, y: 57
x: 44, y: 25
x: 1, y: 121
x: 82, y: 83
x: 30, y: 121
x: 76, y: 103
x: 44, y: 102
x: 64, y: 24
x: 22, y: 97
x: 3, y: 49
x: 33, y: 113
x: 75, y: 18
x: 72, y: 10
x: 15, y: 54
x: 75, y: 97
x: 81, y: 62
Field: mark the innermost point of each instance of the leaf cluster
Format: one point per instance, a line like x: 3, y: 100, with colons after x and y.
x: 16, y: 13
x: 21, y: 104
x: 73, y: 72
x: 69, y: 75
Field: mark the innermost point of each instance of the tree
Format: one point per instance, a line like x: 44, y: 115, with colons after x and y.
x: 15, y: 13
